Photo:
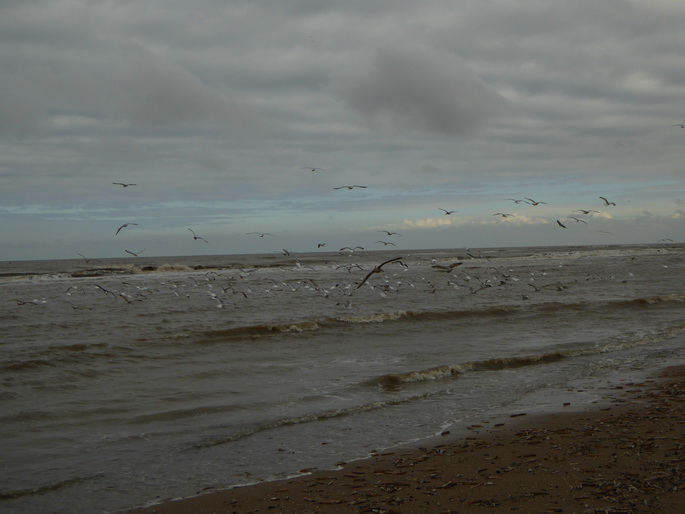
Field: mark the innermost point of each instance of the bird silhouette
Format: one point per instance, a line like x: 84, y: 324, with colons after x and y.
x: 196, y: 237
x: 377, y: 269
x: 124, y: 226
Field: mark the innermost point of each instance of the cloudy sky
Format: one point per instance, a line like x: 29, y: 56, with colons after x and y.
x: 215, y: 108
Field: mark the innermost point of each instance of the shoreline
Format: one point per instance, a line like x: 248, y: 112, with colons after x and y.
x: 627, y: 457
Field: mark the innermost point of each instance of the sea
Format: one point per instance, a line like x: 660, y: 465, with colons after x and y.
x: 128, y: 381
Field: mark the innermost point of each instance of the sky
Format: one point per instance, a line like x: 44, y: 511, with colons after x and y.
x: 215, y: 110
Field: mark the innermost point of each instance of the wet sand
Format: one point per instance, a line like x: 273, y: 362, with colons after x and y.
x: 628, y: 457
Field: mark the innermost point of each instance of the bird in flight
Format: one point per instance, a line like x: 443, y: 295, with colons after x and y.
x: 681, y: 125
x: 516, y: 201
x: 377, y: 269
x: 390, y: 233
x: 386, y: 243
x: 351, y: 249
x: 196, y: 237
x: 313, y: 169
x: 84, y: 257
x: 124, y: 226
x: 447, y: 213
x: 577, y: 219
x: 561, y: 224
x: 533, y: 202
x: 135, y: 254
x: 350, y: 187
x: 261, y: 234
x: 585, y: 211
x: 448, y: 268
x: 502, y: 214
x: 122, y: 184
x: 321, y: 245
x: 607, y: 202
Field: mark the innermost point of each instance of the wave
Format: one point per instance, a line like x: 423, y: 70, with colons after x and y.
x: 253, y: 331
x: 500, y: 311
x: 394, y: 381
x: 19, y: 493
x: 321, y: 416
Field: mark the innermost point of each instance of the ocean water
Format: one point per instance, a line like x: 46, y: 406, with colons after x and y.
x: 124, y: 381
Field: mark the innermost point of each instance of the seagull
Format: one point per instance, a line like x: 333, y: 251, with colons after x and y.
x: 447, y: 213
x: 261, y: 234
x: 577, y: 219
x: 124, y: 226
x: 533, y: 202
x: 321, y: 245
x: 350, y: 187
x: 196, y: 237
x: 448, y: 268
x: 516, y: 201
x: 351, y: 249
x: 136, y: 253
x: 386, y: 243
x: 84, y: 257
x: 607, y: 202
x: 584, y: 211
x: 313, y: 169
x: 681, y: 125
x: 122, y: 184
x: 502, y: 214
x: 390, y: 233
x: 377, y: 269
x: 561, y: 224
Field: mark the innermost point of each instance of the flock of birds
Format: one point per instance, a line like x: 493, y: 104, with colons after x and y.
x: 575, y: 217
x: 471, y: 279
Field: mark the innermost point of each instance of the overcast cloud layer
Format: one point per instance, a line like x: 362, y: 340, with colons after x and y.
x: 215, y: 109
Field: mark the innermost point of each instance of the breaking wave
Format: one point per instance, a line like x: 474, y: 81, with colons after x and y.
x: 394, y: 381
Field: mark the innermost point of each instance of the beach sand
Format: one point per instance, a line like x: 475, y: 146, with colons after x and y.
x: 627, y: 457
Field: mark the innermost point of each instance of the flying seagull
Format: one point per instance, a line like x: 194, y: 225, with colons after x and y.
x: 124, y: 226
x: 377, y: 269
x: 122, y: 184
x: 502, y: 214
x: 84, y: 257
x: 350, y: 187
x: 607, y: 202
x: 313, y: 169
x: 390, y: 233
x: 136, y: 254
x: 681, y: 125
x: 386, y: 243
x: 585, y: 211
x: 516, y: 201
x: 533, y: 202
x: 577, y: 219
x: 261, y: 234
x: 448, y: 268
x: 561, y: 224
x: 447, y: 213
x: 196, y: 237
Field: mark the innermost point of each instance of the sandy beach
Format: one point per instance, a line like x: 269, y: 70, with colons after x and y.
x: 627, y: 457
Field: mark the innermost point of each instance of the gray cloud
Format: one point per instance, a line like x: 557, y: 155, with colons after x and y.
x: 418, y: 88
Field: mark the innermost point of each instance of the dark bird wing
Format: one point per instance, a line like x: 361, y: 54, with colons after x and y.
x: 377, y: 269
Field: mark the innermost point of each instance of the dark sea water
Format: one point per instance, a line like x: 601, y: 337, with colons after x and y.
x: 126, y: 381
